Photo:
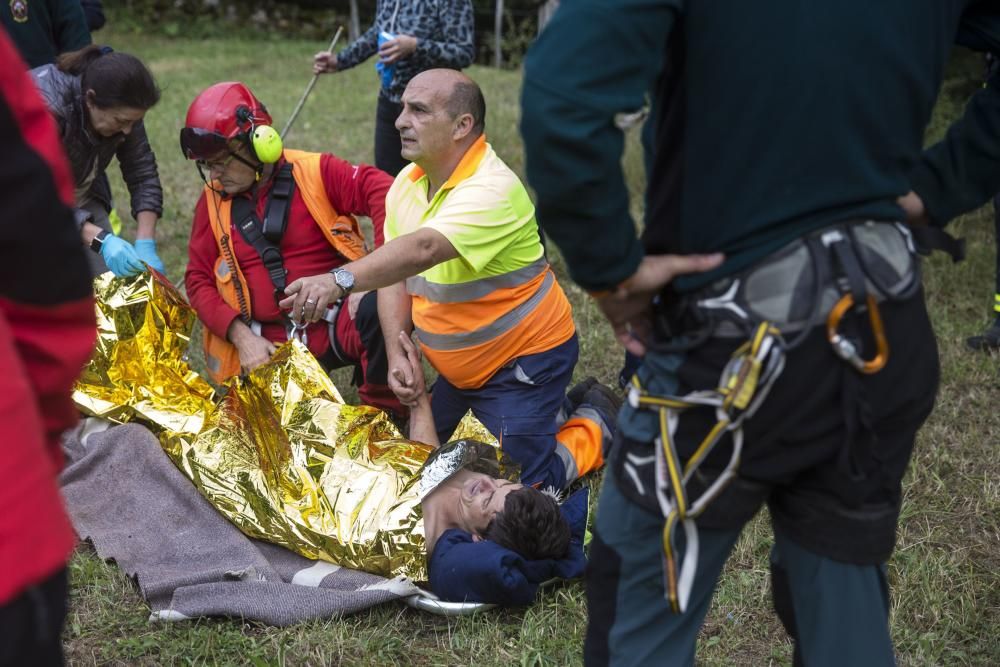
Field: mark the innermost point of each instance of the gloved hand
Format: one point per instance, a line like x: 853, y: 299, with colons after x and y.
x: 146, y: 248
x: 121, y: 257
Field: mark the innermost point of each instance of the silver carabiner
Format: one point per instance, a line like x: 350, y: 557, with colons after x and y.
x: 298, y: 332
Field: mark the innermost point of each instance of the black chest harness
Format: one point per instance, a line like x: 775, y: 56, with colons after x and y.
x: 265, y: 236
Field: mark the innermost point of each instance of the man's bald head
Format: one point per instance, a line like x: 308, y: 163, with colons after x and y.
x: 442, y: 117
x: 461, y: 95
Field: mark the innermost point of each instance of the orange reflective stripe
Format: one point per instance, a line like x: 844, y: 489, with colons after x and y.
x: 474, y: 289
x: 550, y: 324
x: 494, y: 328
x: 468, y: 316
x: 580, y: 439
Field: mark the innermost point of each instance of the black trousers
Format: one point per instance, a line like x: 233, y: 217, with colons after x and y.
x: 996, y: 229
x: 387, y: 144
x: 31, y: 624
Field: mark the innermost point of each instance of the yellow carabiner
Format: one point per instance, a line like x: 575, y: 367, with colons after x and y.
x: 845, y: 349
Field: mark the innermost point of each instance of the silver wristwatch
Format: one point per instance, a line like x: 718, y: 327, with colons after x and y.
x: 344, y: 279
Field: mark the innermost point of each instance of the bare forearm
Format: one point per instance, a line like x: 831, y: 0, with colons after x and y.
x: 422, y: 422
x: 88, y: 231
x: 394, y: 316
x: 238, y: 331
x: 147, y: 225
x: 400, y: 259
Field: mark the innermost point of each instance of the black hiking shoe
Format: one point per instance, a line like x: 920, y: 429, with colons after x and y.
x: 606, y: 401
x: 989, y: 340
x: 577, y: 393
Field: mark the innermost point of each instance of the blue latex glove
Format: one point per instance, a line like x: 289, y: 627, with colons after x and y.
x: 146, y: 248
x: 121, y: 257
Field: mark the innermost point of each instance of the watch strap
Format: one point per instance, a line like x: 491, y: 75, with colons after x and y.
x: 346, y: 288
x: 98, y: 241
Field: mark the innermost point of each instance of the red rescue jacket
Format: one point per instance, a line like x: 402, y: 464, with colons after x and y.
x: 47, y: 331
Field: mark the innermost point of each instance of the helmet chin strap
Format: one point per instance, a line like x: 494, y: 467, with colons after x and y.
x: 208, y: 182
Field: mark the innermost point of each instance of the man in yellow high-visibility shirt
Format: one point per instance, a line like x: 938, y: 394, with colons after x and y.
x: 464, y: 265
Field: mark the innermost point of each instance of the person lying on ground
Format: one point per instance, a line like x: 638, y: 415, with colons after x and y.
x: 515, y: 516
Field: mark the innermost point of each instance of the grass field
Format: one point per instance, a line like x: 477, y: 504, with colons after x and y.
x: 945, y: 587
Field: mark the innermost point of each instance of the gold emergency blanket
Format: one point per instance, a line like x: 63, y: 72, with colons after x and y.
x: 139, y: 369
x: 287, y: 461
x: 280, y: 455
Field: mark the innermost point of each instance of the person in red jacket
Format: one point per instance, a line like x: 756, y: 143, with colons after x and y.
x: 268, y: 216
x: 47, y: 333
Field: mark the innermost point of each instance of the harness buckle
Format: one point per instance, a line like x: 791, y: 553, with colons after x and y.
x: 845, y: 348
x: 739, y: 382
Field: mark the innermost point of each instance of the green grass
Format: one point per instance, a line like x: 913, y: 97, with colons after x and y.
x: 945, y: 592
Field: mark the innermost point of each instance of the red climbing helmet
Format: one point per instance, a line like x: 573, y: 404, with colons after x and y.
x: 221, y: 114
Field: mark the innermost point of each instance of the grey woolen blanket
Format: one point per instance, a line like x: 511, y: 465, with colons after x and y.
x: 125, y: 495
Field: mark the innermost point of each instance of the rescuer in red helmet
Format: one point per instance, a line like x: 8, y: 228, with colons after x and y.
x: 269, y: 216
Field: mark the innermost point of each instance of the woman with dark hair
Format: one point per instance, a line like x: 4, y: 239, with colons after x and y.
x: 99, y: 98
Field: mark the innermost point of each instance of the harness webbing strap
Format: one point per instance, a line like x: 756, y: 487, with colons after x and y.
x: 276, y: 213
x: 743, y: 386
x: 265, y: 237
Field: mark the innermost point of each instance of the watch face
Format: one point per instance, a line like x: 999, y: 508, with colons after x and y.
x: 344, y: 278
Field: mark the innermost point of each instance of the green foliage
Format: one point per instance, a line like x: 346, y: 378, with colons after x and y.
x: 515, y: 39
x: 945, y: 598
x: 304, y: 19
x: 266, y: 19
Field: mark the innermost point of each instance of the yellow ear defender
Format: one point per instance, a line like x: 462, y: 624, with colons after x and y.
x: 266, y: 143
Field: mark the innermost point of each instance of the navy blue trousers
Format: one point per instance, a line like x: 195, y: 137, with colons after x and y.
x: 519, y: 405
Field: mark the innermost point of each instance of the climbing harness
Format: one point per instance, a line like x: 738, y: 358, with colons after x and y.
x: 841, y: 270
x: 265, y: 238
x: 743, y: 386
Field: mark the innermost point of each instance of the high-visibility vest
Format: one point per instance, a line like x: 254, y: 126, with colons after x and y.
x: 489, y: 322
x: 468, y: 325
x: 342, y: 231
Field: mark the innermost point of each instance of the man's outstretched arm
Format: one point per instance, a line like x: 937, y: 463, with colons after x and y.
x: 394, y: 262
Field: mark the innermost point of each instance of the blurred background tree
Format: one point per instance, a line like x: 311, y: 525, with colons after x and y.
x: 318, y: 19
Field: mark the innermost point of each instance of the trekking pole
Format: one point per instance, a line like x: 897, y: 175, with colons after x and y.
x: 302, y: 100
